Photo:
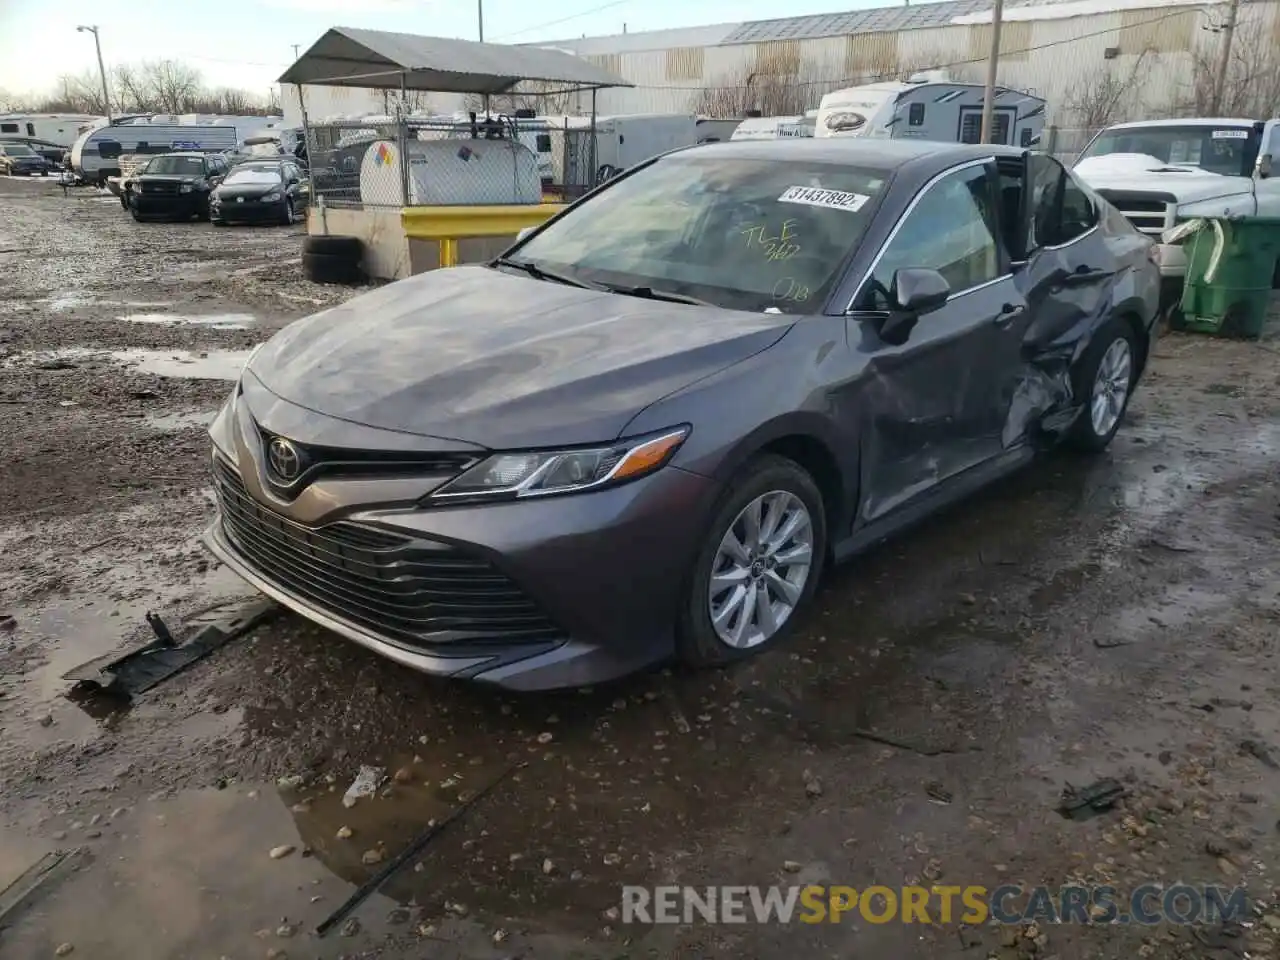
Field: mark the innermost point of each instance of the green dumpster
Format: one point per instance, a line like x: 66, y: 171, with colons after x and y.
x: 1231, y: 265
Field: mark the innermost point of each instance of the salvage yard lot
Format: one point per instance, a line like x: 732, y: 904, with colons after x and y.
x: 1098, y: 618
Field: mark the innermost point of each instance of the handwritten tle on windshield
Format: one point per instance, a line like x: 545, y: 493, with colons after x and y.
x: 782, y: 247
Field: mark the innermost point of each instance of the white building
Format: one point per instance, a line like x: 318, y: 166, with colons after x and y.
x: 1095, y: 61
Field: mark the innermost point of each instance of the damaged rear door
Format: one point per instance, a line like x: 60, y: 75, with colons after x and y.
x: 1066, y: 280
x: 930, y: 400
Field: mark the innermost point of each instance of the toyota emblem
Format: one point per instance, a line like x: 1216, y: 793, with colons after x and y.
x: 286, y: 462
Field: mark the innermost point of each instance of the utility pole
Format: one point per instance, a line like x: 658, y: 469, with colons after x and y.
x: 480, y: 17
x: 993, y: 64
x: 295, y: 49
x: 1224, y: 57
x: 102, y: 71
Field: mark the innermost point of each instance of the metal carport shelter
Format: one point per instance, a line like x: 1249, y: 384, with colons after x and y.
x: 349, y: 57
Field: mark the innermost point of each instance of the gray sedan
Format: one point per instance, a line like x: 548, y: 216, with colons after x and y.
x: 643, y: 432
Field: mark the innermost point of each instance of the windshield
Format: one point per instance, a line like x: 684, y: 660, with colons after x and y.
x: 743, y: 234
x: 18, y: 150
x: 264, y: 175
x: 1230, y: 151
x: 187, y: 166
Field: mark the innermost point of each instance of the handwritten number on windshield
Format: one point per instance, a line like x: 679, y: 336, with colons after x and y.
x: 788, y: 288
x: 782, y: 247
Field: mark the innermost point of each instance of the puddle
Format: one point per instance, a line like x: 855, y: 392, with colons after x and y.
x: 74, y: 301
x: 187, y: 364
x: 215, y: 321
x: 189, y: 420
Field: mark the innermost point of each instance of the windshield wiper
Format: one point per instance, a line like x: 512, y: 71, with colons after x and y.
x: 538, y: 273
x: 648, y: 293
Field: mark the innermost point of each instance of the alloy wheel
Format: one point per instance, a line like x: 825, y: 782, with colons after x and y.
x: 760, y: 569
x: 1111, y: 387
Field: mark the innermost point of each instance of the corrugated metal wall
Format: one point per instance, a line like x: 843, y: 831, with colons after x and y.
x: 1151, y: 52
x: 1059, y: 59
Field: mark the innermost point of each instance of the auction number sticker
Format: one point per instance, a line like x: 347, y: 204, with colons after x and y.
x: 1230, y: 135
x: 818, y: 197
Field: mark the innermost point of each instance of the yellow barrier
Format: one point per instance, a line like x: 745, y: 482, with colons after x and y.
x: 447, y: 225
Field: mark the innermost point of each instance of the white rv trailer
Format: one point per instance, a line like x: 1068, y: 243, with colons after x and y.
x: 929, y: 109
x: 59, y: 128
x: 621, y: 142
x: 96, y: 154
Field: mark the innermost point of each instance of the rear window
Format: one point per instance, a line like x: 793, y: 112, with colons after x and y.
x: 743, y: 234
x: 254, y: 175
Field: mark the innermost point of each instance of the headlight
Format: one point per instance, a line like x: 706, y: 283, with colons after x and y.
x: 271, y: 197
x: 184, y: 188
x: 512, y: 476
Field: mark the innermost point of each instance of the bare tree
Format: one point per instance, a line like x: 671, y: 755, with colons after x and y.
x: 1251, y: 87
x: 1109, y: 95
x: 173, y: 86
x: 542, y: 97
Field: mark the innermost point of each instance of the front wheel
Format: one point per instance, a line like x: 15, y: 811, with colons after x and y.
x: 1104, y: 381
x: 286, y: 218
x: 759, y: 566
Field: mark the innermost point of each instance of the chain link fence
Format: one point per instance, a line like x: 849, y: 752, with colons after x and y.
x: 1065, y: 144
x: 390, y: 162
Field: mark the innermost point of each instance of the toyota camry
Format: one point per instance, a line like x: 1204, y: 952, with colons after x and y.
x: 643, y: 431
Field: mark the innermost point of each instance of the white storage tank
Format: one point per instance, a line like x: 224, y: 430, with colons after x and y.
x: 450, y: 173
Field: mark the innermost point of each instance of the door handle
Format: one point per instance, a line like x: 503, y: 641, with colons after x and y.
x: 1008, y: 313
x: 1084, y: 275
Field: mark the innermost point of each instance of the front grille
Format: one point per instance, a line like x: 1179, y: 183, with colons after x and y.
x: 1149, y: 213
x: 158, y: 189
x: 418, y: 592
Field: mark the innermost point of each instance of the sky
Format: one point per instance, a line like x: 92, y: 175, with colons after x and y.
x: 249, y: 43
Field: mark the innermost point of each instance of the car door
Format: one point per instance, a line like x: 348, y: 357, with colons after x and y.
x: 928, y: 406
x: 1070, y: 268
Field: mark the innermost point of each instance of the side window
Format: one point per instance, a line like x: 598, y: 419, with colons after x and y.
x: 1078, y: 213
x: 1061, y: 210
x: 8, y: 128
x: 915, y: 115
x: 543, y: 141
x: 31, y: 129
x: 109, y: 149
x: 950, y: 229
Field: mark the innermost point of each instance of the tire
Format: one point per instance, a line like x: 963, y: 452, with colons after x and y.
x: 1116, y: 336
x: 699, y: 643
x: 287, y: 216
x: 332, y: 268
x: 217, y: 223
x: 350, y: 247
x: 135, y: 214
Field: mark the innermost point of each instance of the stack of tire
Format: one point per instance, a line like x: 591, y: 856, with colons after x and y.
x: 333, y: 259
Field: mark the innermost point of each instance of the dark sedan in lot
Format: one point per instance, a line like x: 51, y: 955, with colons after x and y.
x: 173, y: 186
x: 644, y: 431
x: 257, y: 191
x: 19, y: 160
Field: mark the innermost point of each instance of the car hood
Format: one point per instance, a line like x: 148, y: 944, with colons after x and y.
x: 1139, y: 172
x: 478, y: 355
x: 247, y: 190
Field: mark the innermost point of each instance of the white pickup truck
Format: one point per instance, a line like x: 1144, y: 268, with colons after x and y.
x: 1160, y: 173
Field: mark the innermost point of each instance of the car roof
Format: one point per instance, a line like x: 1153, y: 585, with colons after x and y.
x: 181, y: 153
x: 1185, y: 122
x: 878, y: 153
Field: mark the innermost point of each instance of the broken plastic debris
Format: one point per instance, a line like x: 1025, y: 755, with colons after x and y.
x: 366, y: 784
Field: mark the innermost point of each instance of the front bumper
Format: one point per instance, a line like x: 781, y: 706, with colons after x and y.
x: 247, y: 211
x: 596, y: 578
x: 29, y: 169
x: 167, y: 204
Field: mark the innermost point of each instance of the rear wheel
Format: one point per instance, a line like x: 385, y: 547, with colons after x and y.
x: 136, y: 215
x: 1104, y: 382
x: 758, y: 567
x: 286, y: 218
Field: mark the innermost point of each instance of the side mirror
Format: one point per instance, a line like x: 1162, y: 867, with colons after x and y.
x: 916, y: 291
x: 524, y: 233
x: 1034, y: 141
x: 1264, y: 166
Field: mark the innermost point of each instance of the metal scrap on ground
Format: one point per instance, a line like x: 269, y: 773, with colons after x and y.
x: 138, y: 670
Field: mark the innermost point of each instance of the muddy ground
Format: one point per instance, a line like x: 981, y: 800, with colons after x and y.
x: 1112, y: 617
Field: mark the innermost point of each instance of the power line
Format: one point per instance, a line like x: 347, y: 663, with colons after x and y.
x: 572, y: 16
x: 938, y: 66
